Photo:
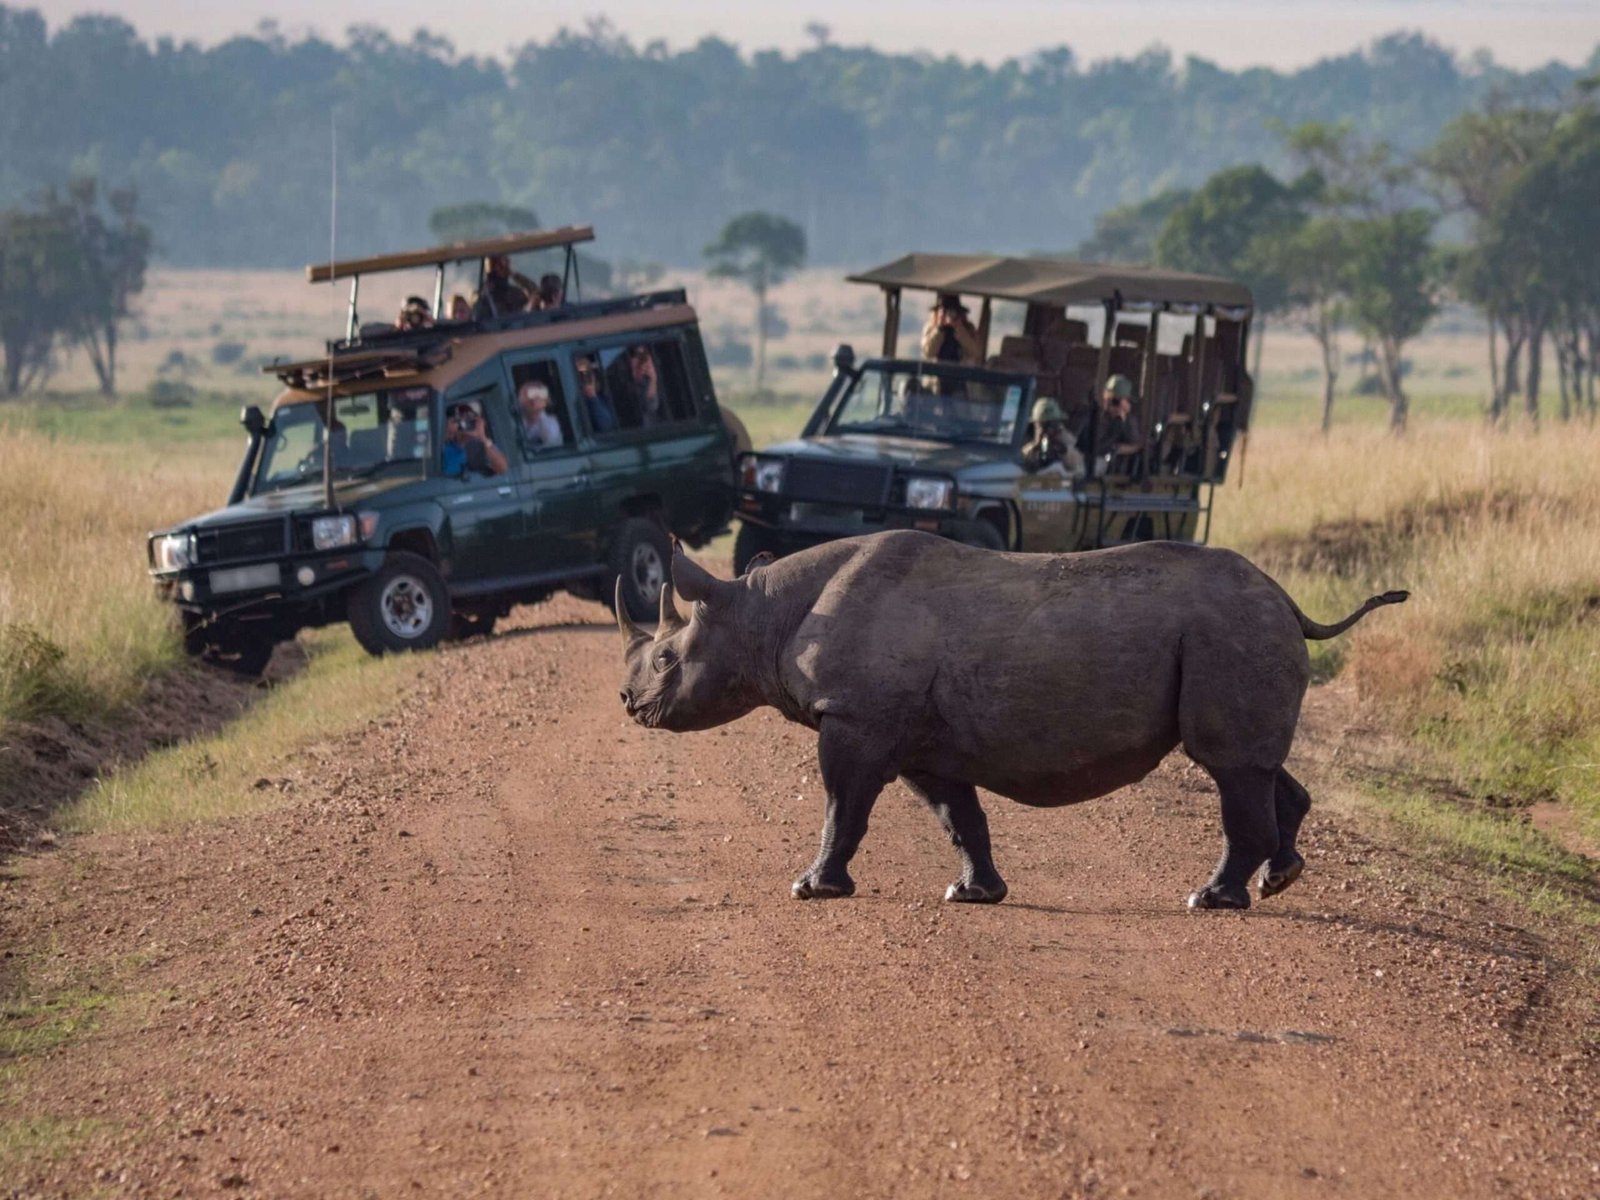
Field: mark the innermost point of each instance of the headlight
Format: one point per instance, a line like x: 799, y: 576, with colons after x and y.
x: 923, y: 492
x: 762, y: 474
x: 174, y: 551
x: 329, y: 533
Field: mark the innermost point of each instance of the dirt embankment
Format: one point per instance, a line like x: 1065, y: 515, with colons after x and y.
x: 506, y: 943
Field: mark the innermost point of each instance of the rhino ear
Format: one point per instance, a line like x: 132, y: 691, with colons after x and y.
x: 631, y: 633
x: 670, y: 621
x: 696, y: 584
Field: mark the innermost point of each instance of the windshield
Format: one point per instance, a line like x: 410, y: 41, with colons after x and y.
x: 911, y: 400
x: 372, y: 433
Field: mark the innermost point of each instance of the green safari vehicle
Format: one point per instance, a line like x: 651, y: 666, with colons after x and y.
x: 910, y: 441
x: 359, y: 499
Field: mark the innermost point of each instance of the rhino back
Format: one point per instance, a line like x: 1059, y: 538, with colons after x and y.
x: 1054, y: 675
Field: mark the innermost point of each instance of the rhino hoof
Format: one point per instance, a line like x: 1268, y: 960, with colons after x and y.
x: 960, y: 892
x: 1275, y: 880
x: 808, y: 887
x: 1211, y: 896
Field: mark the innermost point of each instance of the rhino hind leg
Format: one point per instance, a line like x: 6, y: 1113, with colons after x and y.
x: 1292, y: 802
x: 853, y: 776
x: 956, y: 805
x: 1250, y: 833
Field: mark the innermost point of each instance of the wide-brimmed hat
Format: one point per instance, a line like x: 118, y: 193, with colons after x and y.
x: 1120, y: 386
x: 1046, y: 410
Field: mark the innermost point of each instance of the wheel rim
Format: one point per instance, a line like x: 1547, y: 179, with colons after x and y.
x: 649, y: 573
x: 406, y: 606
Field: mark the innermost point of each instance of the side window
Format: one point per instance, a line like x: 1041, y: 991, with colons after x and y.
x: 468, y: 445
x: 539, y: 411
x: 647, y: 383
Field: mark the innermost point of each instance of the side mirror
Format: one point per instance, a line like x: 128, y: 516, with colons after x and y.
x: 250, y: 416
x: 844, y: 358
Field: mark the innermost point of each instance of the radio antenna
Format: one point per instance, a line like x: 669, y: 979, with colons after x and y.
x: 333, y: 296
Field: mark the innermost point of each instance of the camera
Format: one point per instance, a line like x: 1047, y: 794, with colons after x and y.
x: 467, y: 422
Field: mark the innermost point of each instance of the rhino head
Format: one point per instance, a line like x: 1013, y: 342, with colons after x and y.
x: 690, y: 674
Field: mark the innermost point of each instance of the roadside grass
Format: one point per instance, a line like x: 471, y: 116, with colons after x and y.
x: 1492, y: 669
x: 80, y: 629
x: 226, y: 774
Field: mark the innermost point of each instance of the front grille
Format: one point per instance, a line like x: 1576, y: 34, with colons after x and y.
x: 837, y: 483
x: 251, y: 539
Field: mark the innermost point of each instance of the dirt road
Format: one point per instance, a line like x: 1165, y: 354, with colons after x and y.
x: 506, y: 943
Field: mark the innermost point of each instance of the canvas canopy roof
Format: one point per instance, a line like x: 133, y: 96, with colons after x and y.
x: 1054, y: 281
x: 511, y: 243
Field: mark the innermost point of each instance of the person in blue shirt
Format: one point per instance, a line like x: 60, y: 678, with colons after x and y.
x: 602, y: 416
x: 467, y: 446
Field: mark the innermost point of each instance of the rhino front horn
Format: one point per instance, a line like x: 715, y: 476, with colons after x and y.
x: 631, y: 633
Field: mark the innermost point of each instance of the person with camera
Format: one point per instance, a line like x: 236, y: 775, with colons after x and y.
x: 1049, y: 444
x: 504, y: 291
x: 467, y: 446
x: 949, y: 335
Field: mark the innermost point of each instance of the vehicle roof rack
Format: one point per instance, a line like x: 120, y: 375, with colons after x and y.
x: 440, y: 257
x: 454, y: 252
x: 1062, y: 282
x: 311, y: 373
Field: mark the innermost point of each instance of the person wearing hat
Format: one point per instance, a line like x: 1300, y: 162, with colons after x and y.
x: 1117, y: 431
x: 949, y: 335
x: 417, y: 314
x: 1048, y: 444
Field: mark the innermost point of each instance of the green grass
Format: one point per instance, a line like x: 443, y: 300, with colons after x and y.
x: 217, y: 776
x: 92, y: 418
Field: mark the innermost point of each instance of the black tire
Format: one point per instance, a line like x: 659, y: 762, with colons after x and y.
x: 980, y: 534
x: 641, y: 556
x: 405, y: 606
x: 750, y: 541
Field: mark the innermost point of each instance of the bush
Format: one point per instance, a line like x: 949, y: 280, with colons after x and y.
x: 170, y: 393
x: 227, y: 353
x: 730, y: 353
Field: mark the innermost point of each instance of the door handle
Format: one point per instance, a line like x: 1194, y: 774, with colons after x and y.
x: 503, y: 490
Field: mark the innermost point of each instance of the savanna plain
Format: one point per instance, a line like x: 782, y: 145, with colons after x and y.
x: 450, y: 924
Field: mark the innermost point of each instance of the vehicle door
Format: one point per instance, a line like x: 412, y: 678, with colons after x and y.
x: 556, y: 487
x: 485, y: 533
x: 660, y: 444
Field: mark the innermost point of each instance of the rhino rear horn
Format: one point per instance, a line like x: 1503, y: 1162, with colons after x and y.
x: 695, y: 583
x: 631, y: 633
x: 670, y: 621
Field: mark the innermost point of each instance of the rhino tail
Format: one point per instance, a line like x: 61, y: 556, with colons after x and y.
x: 1318, y: 632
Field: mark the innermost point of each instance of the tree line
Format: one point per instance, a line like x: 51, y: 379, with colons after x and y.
x: 870, y: 153
x: 1350, y: 241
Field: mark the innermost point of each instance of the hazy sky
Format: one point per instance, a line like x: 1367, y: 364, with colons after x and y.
x: 1231, y: 32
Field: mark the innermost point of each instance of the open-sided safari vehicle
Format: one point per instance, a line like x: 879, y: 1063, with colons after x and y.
x: 407, y: 480
x: 904, y: 442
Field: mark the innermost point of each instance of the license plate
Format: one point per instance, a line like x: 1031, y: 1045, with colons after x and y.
x: 241, y: 579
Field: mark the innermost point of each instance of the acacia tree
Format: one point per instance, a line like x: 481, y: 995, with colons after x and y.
x: 40, y: 273
x: 1314, y: 261
x: 760, y: 250
x: 1472, y: 166
x: 113, y: 256
x: 1393, y: 276
x: 1394, y: 282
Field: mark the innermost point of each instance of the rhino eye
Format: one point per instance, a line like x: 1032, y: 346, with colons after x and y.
x: 663, y: 660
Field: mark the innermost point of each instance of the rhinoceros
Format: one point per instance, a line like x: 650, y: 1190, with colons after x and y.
x: 1048, y: 679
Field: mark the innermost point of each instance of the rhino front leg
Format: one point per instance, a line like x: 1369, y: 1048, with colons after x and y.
x: 956, y: 805
x: 853, y: 775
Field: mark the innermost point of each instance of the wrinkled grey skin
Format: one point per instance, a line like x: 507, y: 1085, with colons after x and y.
x: 1049, y: 679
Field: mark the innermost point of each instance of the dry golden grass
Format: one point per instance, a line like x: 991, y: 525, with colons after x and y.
x: 79, y: 625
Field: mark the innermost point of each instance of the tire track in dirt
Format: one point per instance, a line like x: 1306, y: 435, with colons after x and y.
x: 508, y: 943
